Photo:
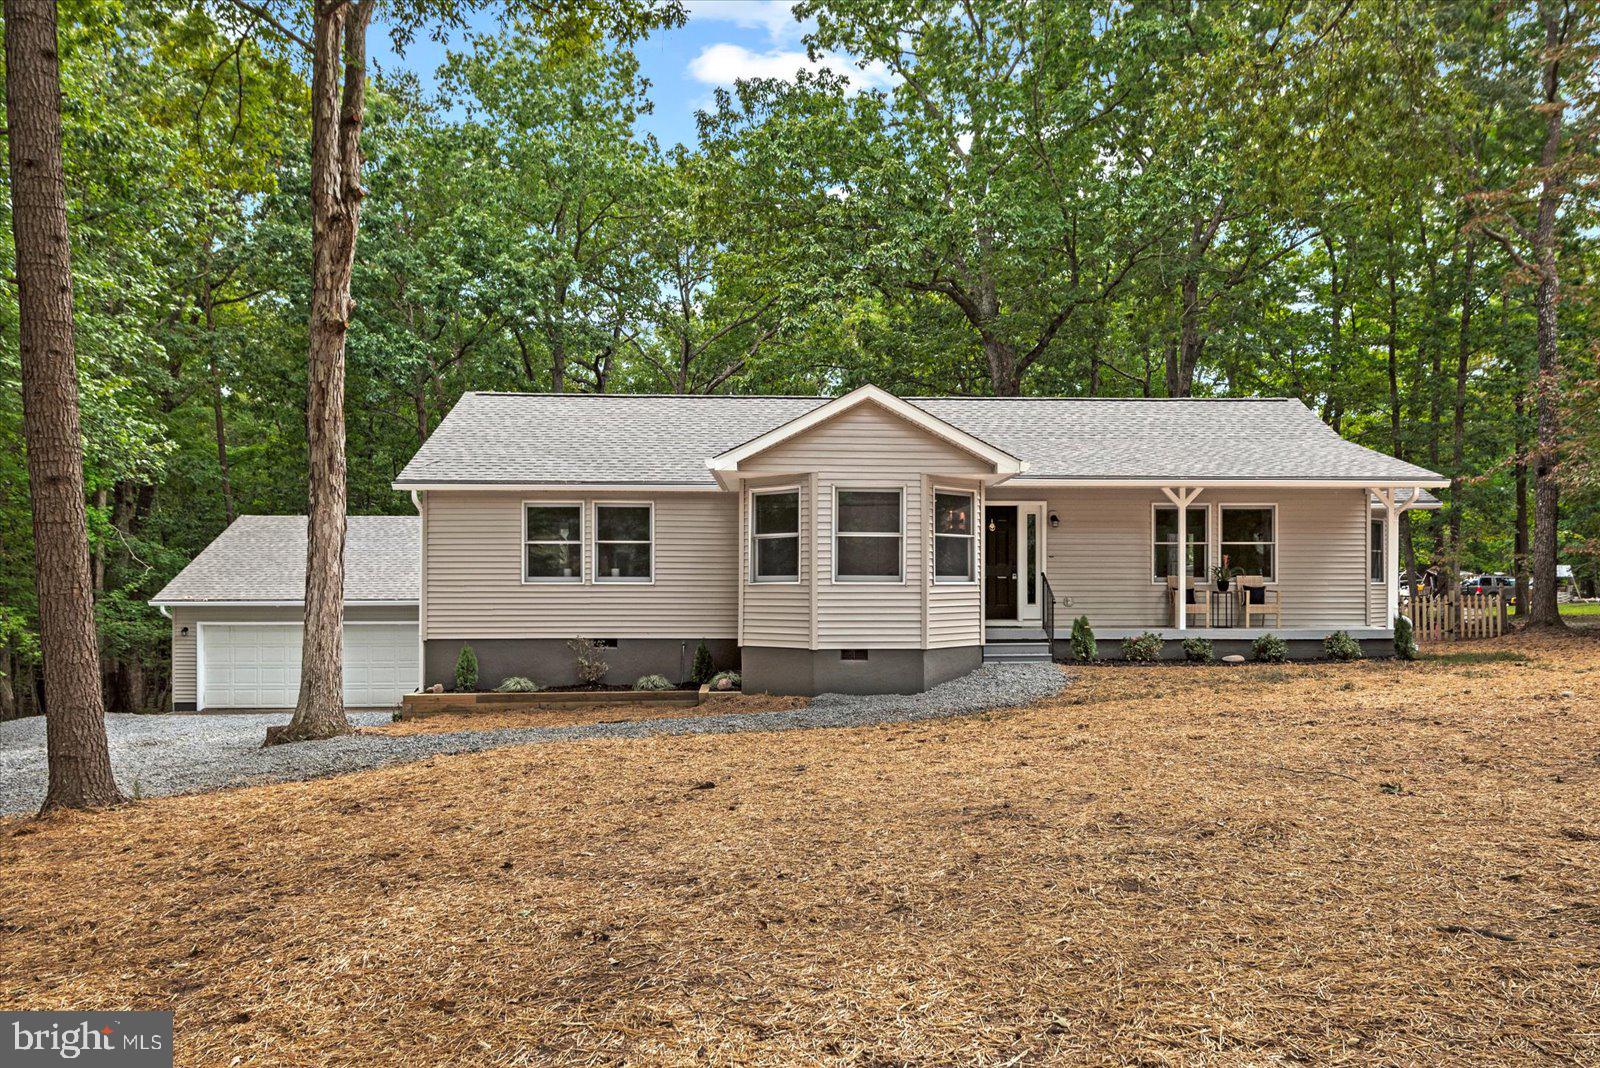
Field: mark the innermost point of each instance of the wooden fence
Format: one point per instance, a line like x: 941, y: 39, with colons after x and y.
x: 1448, y: 617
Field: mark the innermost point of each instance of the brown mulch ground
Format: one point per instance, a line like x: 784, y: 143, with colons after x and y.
x: 575, y: 717
x: 1327, y: 864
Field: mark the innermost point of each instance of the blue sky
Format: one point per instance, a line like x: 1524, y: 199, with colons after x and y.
x: 722, y: 40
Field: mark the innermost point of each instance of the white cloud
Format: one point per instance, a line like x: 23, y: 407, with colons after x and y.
x: 723, y: 64
x: 775, y: 17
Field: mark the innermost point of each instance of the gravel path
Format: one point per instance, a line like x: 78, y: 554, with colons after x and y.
x: 159, y: 755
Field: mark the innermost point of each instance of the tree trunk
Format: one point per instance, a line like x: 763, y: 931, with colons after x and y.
x: 1519, y: 537
x: 75, y: 728
x: 1458, y: 436
x: 336, y: 194
x: 1005, y: 378
x: 1182, y: 361
x: 1546, y: 611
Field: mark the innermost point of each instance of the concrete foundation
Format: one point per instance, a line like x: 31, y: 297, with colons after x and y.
x: 549, y: 661
x: 808, y: 672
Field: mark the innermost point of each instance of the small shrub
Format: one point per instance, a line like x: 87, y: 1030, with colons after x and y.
x: 1269, y: 649
x: 1198, y: 650
x: 466, y: 670
x: 1143, y: 649
x: 591, y: 667
x: 703, y: 668
x: 1082, y: 640
x: 518, y: 684
x: 1405, y: 639
x: 1340, y: 646
x: 730, y: 677
x: 652, y: 682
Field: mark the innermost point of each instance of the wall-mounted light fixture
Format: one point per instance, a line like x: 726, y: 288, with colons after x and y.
x: 1055, y: 520
x: 184, y: 631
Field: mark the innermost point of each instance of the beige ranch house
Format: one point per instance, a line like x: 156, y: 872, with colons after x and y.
x: 866, y: 543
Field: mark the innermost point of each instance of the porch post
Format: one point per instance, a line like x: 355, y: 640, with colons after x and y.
x: 1392, y: 507
x: 1182, y: 498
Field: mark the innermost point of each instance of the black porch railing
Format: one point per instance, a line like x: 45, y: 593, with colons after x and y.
x: 1049, y: 611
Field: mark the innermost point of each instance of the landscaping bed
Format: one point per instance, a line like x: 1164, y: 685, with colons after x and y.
x: 433, y: 704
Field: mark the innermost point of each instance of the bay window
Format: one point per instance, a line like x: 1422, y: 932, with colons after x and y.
x: 775, y: 535
x: 954, y: 537
x: 868, y: 536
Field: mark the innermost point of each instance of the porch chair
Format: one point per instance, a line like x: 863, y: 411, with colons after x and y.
x: 1197, y: 602
x: 1255, y: 606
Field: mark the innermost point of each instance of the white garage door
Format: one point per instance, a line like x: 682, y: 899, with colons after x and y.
x: 257, y: 665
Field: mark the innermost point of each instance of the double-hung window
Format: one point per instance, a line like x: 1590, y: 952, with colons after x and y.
x: 1250, y: 539
x: 775, y: 535
x: 868, y: 536
x: 552, y: 537
x: 623, y: 536
x: 1166, y: 542
x: 1376, y: 569
x: 954, y: 537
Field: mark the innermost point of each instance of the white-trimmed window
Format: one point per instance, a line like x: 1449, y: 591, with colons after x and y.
x: 552, y: 537
x: 624, y: 536
x: 954, y: 536
x: 868, y: 535
x: 1250, y: 539
x: 1165, y: 542
x: 775, y: 535
x: 1377, y: 566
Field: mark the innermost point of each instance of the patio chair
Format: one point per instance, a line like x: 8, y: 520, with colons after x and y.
x: 1257, y: 602
x: 1197, y: 602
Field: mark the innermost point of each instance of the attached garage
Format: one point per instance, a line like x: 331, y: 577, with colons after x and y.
x: 237, y: 615
x: 257, y: 665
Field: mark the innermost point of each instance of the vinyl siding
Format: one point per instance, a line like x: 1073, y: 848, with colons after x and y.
x: 185, y: 666
x: 473, y: 584
x: 1101, y: 555
x: 778, y: 614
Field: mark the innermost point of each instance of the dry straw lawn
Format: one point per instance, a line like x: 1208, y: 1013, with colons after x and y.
x: 1365, y: 864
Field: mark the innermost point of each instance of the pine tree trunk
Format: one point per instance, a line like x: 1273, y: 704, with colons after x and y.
x: 336, y: 192
x: 1546, y: 611
x: 79, y: 758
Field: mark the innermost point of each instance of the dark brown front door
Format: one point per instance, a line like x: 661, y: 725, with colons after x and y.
x: 1000, y: 562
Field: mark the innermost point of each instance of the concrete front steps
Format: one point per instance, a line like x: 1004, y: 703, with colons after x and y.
x: 1017, y: 651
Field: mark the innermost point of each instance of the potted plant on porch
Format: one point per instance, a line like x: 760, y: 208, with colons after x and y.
x: 1223, y: 575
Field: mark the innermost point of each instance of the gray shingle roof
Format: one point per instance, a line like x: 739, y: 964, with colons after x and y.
x: 263, y: 558
x: 528, y: 439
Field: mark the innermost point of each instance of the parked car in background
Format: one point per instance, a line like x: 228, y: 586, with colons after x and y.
x: 1505, y: 584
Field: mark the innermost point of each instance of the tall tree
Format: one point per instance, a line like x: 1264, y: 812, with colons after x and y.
x: 1525, y: 220
x: 79, y: 757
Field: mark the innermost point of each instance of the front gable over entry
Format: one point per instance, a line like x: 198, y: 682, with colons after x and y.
x: 858, y: 420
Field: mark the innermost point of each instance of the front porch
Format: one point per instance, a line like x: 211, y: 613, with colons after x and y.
x: 1010, y: 642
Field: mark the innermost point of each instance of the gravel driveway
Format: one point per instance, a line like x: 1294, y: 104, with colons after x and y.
x: 159, y: 755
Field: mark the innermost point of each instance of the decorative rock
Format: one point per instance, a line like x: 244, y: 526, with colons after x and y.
x: 1233, y: 658
x: 437, y: 687
x: 724, y: 684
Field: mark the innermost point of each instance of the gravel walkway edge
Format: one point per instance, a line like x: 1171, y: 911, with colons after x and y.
x: 158, y: 756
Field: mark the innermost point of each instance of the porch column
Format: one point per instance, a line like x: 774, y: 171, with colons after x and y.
x: 1182, y: 498
x: 1392, y: 507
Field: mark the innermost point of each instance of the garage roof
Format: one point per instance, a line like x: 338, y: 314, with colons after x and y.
x: 261, y: 559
